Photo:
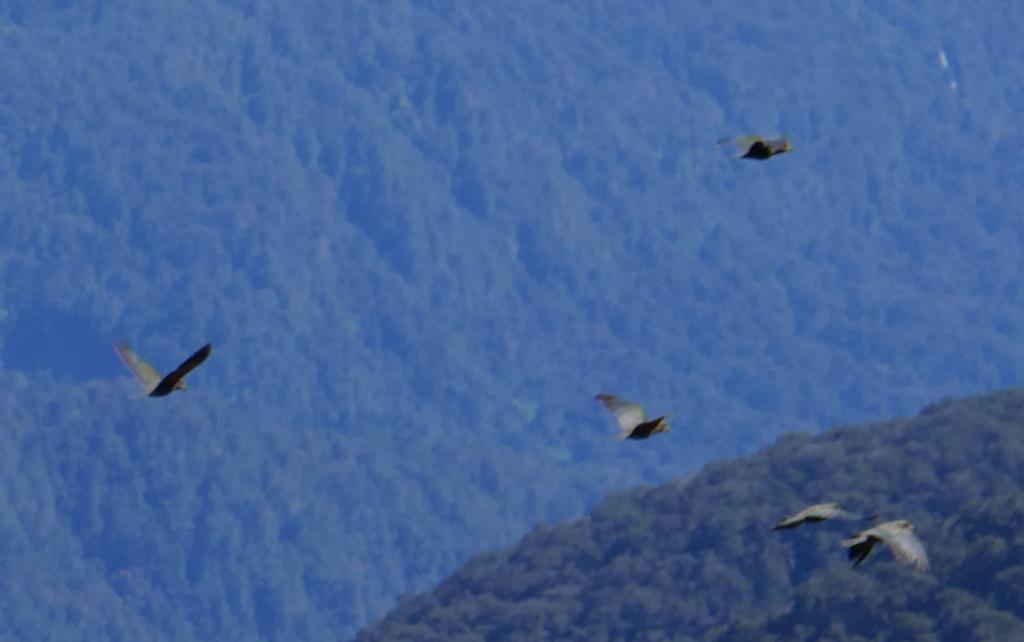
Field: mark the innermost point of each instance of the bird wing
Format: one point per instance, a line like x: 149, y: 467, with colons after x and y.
x: 628, y: 414
x: 833, y: 510
x: 814, y: 511
x: 187, y: 366
x: 822, y: 511
x: 905, y: 546
x: 144, y: 372
x: 860, y: 548
x: 790, y: 521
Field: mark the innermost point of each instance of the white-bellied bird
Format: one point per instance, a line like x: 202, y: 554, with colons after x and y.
x: 898, y: 535
x: 632, y: 419
x: 818, y: 513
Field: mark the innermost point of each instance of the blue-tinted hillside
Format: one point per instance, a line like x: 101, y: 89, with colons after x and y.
x: 698, y: 559
x: 422, y: 236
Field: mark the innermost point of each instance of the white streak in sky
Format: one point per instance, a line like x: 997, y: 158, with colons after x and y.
x: 946, y: 71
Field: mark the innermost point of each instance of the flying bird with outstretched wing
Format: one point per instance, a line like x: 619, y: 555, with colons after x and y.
x: 632, y: 419
x: 818, y: 513
x: 898, y: 535
x: 758, y: 148
x: 156, y: 384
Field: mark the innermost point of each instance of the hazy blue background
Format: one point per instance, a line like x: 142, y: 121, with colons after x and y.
x: 421, y: 236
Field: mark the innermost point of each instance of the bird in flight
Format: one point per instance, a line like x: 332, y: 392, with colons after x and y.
x: 156, y: 384
x: 758, y: 148
x: 898, y: 536
x: 818, y: 513
x: 632, y: 419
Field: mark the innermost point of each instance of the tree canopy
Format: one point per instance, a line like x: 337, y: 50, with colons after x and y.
x: 421, y: 236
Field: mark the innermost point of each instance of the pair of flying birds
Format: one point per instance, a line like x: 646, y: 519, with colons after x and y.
x: 631, y: 417
x: 898, y: 535
x: 158, y: 385
x: 753, y: 147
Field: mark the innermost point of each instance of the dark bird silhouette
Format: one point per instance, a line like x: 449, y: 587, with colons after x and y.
x: 157, y: 385
x: 898, y: 536
x: 632, y: 419
x: 758, y: 148
x: 818, y: 513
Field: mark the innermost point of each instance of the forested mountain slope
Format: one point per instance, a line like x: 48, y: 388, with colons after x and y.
x: 697, y: 559
x: 421, y: 236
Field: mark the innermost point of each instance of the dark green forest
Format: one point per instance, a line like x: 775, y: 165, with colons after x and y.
x: 696, y: 559
x: 421, y: 236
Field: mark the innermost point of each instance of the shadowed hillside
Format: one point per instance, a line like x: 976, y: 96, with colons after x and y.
x: 422, y: 235
x: 696, y: 560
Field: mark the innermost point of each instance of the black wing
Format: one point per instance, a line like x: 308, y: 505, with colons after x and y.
x: 168, y: 383
x: 860, y: 551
